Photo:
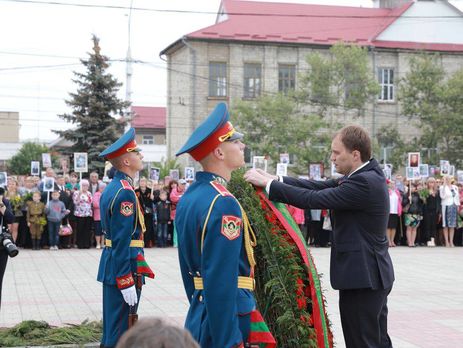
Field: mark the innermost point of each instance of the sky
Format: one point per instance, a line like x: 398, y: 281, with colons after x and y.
x: 42, y: 41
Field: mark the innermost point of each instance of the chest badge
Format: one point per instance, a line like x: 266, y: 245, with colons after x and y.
x: 231, y: 226
x: 126, y: 208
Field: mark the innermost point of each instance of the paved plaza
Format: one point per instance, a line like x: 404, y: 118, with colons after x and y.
x: 425, y: 306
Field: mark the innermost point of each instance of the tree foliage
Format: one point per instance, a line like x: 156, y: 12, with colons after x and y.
x: 275, y: 124
x: 340, y: 80
x: 95, y: 106
x: 297, y: 123
x: 388, y: 137
x: 21, y: 162
x: 435, y: 102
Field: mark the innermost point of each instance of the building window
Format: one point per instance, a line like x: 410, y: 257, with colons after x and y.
x: 147, y: 140
x: 252, y: 80
x: 386, y: 81
x: 286, y: 78
x: 217, y: 79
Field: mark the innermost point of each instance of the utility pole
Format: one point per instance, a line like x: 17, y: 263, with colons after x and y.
x: 128, y: 71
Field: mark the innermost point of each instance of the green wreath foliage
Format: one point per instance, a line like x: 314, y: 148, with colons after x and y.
x: 280, y: 274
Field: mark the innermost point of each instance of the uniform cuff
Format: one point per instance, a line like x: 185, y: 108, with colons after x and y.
x: 124, y: 282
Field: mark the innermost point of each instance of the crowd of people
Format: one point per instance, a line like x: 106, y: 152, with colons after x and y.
x: 427, y: 212
x: 422, y: 213
x: 68, y: 215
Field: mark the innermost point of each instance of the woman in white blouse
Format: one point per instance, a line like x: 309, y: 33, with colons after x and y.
x: 450, y: 200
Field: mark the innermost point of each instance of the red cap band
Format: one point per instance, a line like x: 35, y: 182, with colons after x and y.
x: 129, y: 147
x: 203, y: 149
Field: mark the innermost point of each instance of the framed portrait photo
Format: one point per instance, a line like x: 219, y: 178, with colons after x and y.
x: 155, y: 173
x: 412, y: 173
x: 315, y: 170
x: 46, y: 160
x: 189, y: 173
x: 387, y: 173
x: 414, y: 159
x: 80, y: 162
x: 282, y: 169
x: 48, y: 184
x: 259, y: 162
x: 424, y: 170
x: 460, y: 176
x: 444, y: 167
x: 3, y: 179
x: 64, y: 163
x: 284, y: 158
x: 35, y: 168
x: 174, y: 174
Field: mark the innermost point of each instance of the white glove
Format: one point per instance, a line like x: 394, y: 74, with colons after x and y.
x: 130, y: 295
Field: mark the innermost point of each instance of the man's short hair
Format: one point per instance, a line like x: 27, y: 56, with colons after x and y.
x: 155, y: 333
x: 356, y: 138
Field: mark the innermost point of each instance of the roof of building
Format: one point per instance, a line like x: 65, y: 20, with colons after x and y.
x: 255, y: 21
x: 148, y: 117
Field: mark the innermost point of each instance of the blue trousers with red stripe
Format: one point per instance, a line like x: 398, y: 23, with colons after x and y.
x: 115, y: 315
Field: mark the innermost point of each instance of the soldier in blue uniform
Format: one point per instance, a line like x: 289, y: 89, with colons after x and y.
x: 123, y: 226
x: 215, y: 240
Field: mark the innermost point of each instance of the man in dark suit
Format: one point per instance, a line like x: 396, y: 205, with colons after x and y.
x: 361, y: 268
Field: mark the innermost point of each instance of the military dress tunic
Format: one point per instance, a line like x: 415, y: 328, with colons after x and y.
x: 35, y: 211
x: 120, y: 223
x: 219, y: 315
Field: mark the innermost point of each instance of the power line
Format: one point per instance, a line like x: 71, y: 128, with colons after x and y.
x: 255, y: 14
x: 54, y: 66
x: 241, y: 87
x: 38, y: 55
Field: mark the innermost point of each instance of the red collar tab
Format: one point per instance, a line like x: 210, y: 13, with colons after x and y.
x: 126, y: 185
x: 221, y: 189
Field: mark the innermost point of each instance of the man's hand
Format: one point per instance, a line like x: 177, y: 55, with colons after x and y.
x: 130, y: 295
x: 258, y: 177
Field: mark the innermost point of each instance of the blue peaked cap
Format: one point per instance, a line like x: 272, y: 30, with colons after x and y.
x: 126, y: 143
x: 215, y: 129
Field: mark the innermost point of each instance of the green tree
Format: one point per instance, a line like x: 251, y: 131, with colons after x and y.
x: 95, y: 107
x: 452, y: 129
x: 21, y: 162
x: 340, y: 80
x: 274, y: 125
x: 434, y: 101
x: 297, y: 123
x: 388, y: 137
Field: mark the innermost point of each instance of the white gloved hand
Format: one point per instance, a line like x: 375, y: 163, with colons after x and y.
x: 130, y: 295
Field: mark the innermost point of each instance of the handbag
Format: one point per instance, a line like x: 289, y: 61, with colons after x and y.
x: 65, y: 230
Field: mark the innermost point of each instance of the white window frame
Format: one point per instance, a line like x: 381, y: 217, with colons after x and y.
x: 217, y: 79
x: 147, y: 139
x: 286, y: 78
x: 386, y: 82
x: 252, y: 75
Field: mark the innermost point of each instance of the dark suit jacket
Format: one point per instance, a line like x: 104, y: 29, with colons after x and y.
x: 359, y: 212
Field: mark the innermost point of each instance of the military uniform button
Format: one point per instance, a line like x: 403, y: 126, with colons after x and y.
x: 200, y: 298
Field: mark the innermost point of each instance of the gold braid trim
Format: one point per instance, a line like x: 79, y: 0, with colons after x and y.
x: 250, y: 240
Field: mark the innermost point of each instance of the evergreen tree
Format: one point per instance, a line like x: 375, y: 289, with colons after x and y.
x: 95, y: 107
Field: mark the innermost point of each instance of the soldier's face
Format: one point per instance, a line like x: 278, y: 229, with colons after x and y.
x: 234, y: 153
x: 136, y: 160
